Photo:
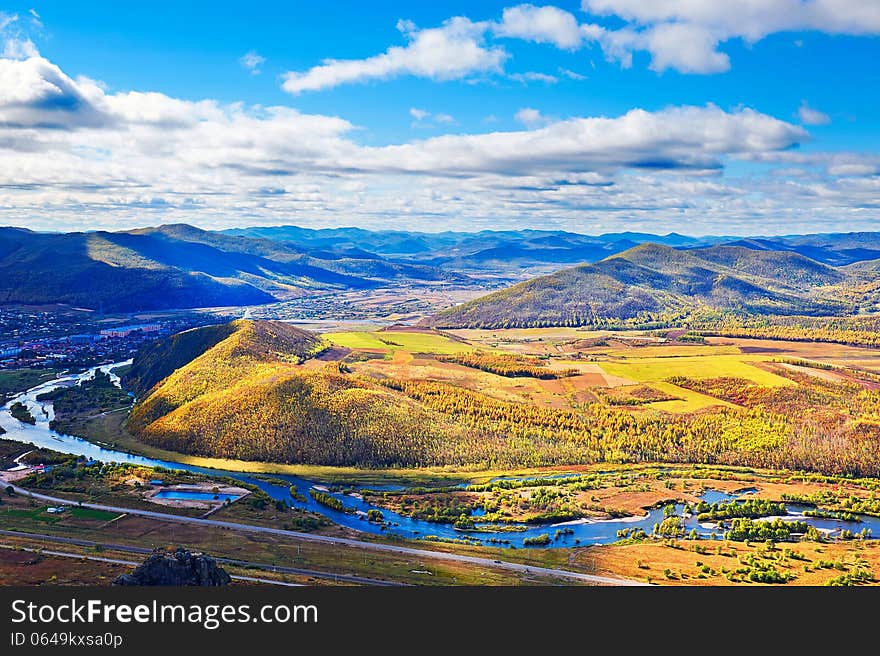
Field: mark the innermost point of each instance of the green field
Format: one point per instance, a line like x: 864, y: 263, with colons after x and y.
x: 356, y: 340
x: 90, y: 513
x: 13, y: 381
x: 393, y: 341
x: 647, y: 370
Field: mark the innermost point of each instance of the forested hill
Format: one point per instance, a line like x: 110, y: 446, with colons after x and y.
x: 652, y: 280
x: 179, y: 266
x: 252, y: 390
x: 159, y: 359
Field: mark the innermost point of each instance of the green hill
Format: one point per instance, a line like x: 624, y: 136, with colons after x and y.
x: 240, y: 391
x: 652, y: 280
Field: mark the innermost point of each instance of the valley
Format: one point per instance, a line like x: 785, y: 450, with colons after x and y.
x: 718, y: 422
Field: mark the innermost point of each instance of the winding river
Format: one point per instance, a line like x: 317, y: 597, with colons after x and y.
x: 561, y: 534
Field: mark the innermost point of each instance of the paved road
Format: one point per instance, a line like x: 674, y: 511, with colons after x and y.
x: 117, y: 561
x: 349, y: 542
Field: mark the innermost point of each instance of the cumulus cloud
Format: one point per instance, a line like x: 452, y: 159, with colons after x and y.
x: 252, y: 61
x: 678, y: 138
x: 75, y: 154
x: 685, y: 34
x: 34, y: 93
x: 530, y: 117
x: 811, y: 116
x: 19, y: 49
x: 546, y: 24
x: 452, y: 51
x: 748, y: 18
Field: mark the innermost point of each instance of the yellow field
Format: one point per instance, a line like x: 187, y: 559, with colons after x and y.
x: 671, y: 351
x: 524, y: 334
x: 609, y: 366
x: 356, y: 340
x: 682, y: 565
x: 691, y: 402
x: 392, y: 341
x: 647, y: 370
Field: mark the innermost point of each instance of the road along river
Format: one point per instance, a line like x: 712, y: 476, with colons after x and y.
x: 565, y: 534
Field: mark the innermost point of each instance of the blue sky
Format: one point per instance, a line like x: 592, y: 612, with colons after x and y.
x: 446, y: 115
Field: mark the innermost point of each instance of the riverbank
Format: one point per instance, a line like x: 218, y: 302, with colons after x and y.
x: 108, y: 431
x: 588, y: 504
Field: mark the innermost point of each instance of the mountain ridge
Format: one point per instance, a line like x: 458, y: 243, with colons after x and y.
x: 653, y: 279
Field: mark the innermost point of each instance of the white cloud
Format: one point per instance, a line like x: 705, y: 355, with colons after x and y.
x: 424, y: 118
x: 678, y: 138
x: 453, y: 51
x: 811, y: 116
x: 686, y: 48
x: 7, y: 19
x: 19, y: 49
x: 35, y: 18
x: 532, y: 76
x: 685, y: 34
x: 572, y: 75
x: 541, y: 25
x: 751, y: 19
x: 74, y: 154
x: 252, y: 62
x: 530, y: 117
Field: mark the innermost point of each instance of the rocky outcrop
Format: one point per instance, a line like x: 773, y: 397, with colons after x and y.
x: 180, y: 567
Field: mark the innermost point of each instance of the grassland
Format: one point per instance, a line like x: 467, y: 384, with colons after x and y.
x: 15, y: 381
x: 151, y: 533
x: 709, y: 562
x: 19, y: 567
x: 357, y: 340
x: 690, y: 401
x: 655, y: 369
x: 415, y: 342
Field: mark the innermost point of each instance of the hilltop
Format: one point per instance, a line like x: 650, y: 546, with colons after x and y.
x: 252, y: 390
x: 652, y: 280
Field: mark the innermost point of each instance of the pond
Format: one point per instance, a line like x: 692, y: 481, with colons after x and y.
x: 195, y: 495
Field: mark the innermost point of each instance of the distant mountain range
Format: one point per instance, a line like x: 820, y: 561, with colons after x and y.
x: 179, y: 266
x: 506, y: 252
x: 653, y: 280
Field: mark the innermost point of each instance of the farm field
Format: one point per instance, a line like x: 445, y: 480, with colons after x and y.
x: 709, y: 366
x: 598, y: 360
x: 393, y: 341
